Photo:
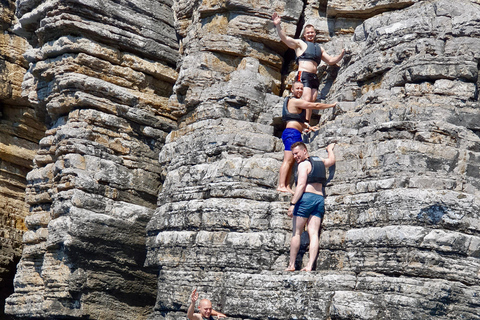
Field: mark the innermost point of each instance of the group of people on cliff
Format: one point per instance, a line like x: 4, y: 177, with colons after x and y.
x: 307, y: 206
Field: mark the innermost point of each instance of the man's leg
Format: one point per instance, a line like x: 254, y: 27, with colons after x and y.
x: 312, y: 96
x: 298, y: 226
x: 313, y: 227
x: 308, y: 95
x: 283, y: 178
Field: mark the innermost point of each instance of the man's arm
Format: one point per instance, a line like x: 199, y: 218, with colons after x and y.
x: 191, y: 308
x: 330, y: 161
x: 303, y: 104
x: 332, y: 60
x: 218, y: 314
x: 289, y: 41
x: 301, y: 185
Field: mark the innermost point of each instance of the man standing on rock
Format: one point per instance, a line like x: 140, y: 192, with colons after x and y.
x: 293, y: 114
x: 205, y: 308
x: 307, y: 205
x: 309, y: 55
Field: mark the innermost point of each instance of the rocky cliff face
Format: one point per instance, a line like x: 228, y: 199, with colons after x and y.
x: 21, y: 127
x: 158, y: 167
x: 103, y: 75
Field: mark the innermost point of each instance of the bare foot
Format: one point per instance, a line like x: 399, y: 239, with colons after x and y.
x: 306, y: 269
x: 314, y: 128
x: 284, y: 189
x: 289, y: 268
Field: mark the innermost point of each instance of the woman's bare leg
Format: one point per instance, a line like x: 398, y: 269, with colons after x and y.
x: 285, y: 169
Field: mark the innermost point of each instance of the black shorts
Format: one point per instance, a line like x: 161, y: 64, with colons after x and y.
x: 309, y: 80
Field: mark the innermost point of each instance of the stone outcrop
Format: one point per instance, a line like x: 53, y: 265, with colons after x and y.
x: 158, y: 168
x: 400, y: 238
x: 20, y: 129
x: 103, y: 75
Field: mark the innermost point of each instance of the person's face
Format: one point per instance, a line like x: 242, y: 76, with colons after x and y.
x: 205, y: 309
x: 297, y: 89
x: 309, y: 34
x: 299, y: 154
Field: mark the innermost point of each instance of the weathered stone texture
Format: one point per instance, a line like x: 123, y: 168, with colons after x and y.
x: 155, y: 178
x: 321, y: 295
x: 20, y: 130
x: 103, y: 75
x: 400, y: 239
x: 365, y: 8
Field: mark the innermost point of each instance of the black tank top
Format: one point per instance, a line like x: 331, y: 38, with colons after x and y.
x: 288, y: 116
x: 318, y: 172
x: 313, y: 52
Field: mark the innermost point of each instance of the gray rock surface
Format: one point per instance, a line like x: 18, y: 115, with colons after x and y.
x: 103, y: 74
x: 400, y: 238
x: 20, y: 129
x: 158, y: 168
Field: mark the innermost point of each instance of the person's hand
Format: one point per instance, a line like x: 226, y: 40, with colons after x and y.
x: 309, y: 128
x: 330, y: 147
x: 290, y: 211
x: 276, y: 19
x: 194, y: 296
x: 220, y: 315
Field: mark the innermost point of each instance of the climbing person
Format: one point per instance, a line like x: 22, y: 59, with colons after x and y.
x: 309, y: 55
x: 307, y: 204
x: 294, y: 111
x: 205, y: 308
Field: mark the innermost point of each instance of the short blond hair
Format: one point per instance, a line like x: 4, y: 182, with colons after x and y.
x: 299, y: 144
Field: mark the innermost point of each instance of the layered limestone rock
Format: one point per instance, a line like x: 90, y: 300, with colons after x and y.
x: 364, y: 8
x: 103, y: 74
x: 400, y: 239
x: 20, y: 129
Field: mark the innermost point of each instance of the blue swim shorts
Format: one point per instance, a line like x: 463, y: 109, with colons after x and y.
x: 289, y: 137
x: 310, y: 204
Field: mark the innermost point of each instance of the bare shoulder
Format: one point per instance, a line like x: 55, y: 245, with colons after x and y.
x: 292, y: 43
x: 298, y: 103
x: 301, y: 44
x: 304, y: 165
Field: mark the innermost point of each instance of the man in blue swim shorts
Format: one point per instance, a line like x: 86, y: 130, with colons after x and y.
x: 294, y: 111
x: 307, y: 204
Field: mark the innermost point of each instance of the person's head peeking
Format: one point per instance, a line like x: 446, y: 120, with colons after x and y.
x: 297, y: 89
x: 299, y: 151
x: 309, y: 33
x: 205, y: 308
